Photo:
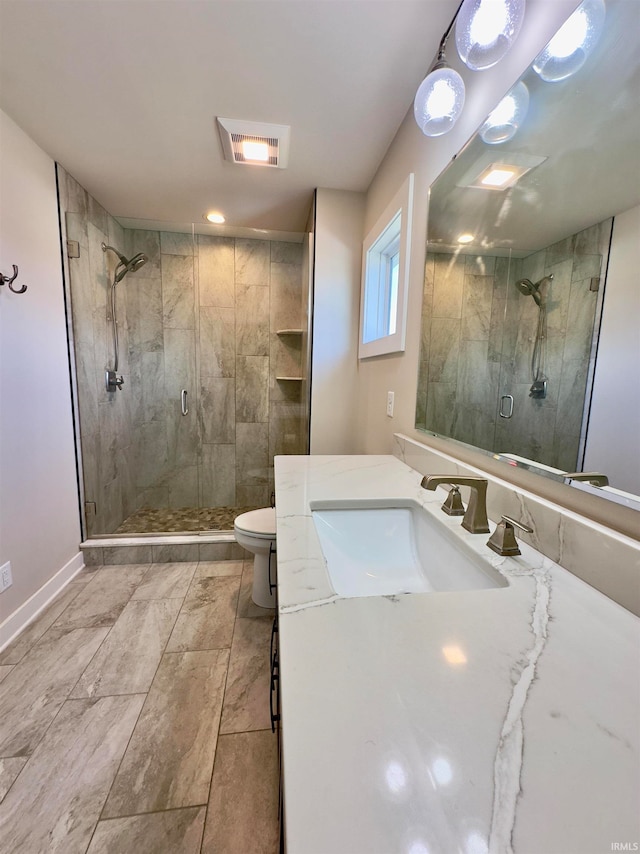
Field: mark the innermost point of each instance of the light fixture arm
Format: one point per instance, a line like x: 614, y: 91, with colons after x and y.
x: 445, y: 38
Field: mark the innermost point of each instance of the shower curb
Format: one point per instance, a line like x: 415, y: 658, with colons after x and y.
x: 162, y: 548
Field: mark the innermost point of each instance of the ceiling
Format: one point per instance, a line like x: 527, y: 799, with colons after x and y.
x: 124, y: 94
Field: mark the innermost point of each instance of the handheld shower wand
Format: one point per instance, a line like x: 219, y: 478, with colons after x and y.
x: 538, y: 377
x: 124, y: 266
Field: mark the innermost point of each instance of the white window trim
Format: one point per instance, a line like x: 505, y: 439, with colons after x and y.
x: 401, y: 203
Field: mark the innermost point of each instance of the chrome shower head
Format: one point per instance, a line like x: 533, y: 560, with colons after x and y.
x: 526, y: 287
x: 126, y: 266
x: 136, y: 262
x: 529, y: 289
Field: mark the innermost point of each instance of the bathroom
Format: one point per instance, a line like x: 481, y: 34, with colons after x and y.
x: 41, y: 525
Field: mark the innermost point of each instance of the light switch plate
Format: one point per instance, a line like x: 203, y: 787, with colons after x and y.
x: 390, y: 396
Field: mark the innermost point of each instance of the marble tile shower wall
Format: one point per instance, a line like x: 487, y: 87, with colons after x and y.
x: 478, y: 334
x: 201, y: 315
x: 107, y: 432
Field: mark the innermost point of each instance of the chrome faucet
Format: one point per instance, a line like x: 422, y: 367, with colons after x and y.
x: 475, y: 518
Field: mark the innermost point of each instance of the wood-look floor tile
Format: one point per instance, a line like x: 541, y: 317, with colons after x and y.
x: 9, y: 770
x: 246, y: 606
x: 17, y: 650
x: 5, y: 670
x: 87, y: 574
x: 173, y: 832
x: 34, y: 691
x: 102, y: 600
x: 166, y: 581
x: 243, y: 806
x: 170, y: 757
x: 246, y: 698
x: 214, y: 568
x: 55, y: 802
x: 128, y: 659
x: 207, y: 616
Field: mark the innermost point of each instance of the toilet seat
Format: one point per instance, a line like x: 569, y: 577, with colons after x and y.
x: 258, y: 523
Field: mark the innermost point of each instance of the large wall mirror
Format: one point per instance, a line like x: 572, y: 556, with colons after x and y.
x: 531, y: 312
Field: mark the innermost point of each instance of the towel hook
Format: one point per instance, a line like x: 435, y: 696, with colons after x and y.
x: 9, y: 280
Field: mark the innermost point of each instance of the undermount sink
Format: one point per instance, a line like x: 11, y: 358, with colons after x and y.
x: 377, y: 549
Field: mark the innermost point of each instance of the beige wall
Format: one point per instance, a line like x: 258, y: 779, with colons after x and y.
x: 410, y: 151
x: 336, y: 314
x: 39, y: 518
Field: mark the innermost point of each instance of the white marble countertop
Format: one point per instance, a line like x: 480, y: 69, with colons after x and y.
x: 434, y: 723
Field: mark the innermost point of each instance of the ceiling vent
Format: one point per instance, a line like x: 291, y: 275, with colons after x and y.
x: 254, y: 143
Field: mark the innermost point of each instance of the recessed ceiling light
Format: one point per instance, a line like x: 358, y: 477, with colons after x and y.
x: 214, y: 217
x: 454, y: 655
x: 466, y: 238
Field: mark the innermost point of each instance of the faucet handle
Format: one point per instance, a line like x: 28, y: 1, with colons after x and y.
x: 453, y: 505
x: 503, y: 540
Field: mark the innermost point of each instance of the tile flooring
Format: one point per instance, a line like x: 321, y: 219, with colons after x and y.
x: 134, y: 717
x: 148, y: 521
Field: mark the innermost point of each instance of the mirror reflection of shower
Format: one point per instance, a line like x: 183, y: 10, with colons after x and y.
x: 539, y: 379
x: 124, y: 266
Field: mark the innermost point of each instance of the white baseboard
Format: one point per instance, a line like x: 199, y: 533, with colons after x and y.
x: 26, y: 613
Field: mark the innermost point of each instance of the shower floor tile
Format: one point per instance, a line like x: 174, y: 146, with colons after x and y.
x: 148, y: 521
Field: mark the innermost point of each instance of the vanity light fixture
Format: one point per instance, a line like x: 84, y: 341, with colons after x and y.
x: 568, y: 50
x: 440, y: 97
x: 505, y: 120
x: 486, y: 30
x: 214, y: 217
x: 439, y: 100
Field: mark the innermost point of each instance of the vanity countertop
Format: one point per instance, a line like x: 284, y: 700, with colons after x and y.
x: 493, y: 720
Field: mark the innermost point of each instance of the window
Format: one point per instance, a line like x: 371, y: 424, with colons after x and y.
x: 385, y: 278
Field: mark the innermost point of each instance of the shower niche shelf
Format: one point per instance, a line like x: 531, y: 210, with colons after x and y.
x: 289, y: 331
x: 290, y: 379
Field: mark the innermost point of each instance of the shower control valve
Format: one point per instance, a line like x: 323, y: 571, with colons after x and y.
x: 113, y: 381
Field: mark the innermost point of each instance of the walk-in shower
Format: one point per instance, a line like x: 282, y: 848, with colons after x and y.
x: 539, y: 378
x: 124, y: 266
x: 219, y: 321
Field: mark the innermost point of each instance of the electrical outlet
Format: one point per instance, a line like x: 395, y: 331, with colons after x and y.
x: 390, y: 396
x: 5, y: 576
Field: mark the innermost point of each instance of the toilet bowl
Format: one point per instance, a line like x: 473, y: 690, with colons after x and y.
x: 255, y: 531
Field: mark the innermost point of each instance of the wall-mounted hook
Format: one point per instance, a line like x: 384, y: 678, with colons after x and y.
x: 9, y: 280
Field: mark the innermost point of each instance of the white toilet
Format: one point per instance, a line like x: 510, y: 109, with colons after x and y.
x: 256, y: 532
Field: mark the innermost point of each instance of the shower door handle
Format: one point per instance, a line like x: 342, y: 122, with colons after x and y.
x: 183, y: 402
x: 506, y: 411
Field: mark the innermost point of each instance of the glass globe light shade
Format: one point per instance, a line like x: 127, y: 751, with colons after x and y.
x: 486, y: 29
x: 505, y: 120
x: 568, y: 50
x: 439, y: 100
